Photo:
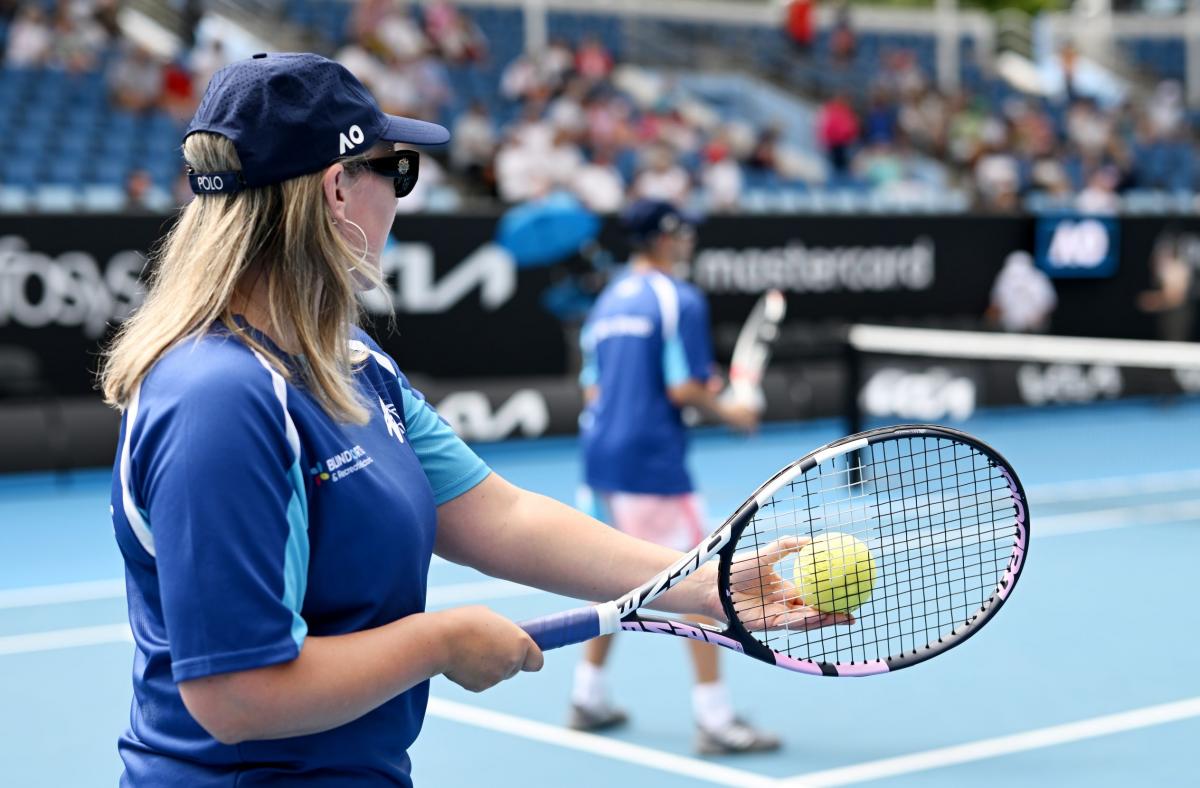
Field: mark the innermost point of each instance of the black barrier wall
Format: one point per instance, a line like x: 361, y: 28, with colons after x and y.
x: 463, y: 310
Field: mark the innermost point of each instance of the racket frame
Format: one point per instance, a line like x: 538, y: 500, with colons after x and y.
x: 624, y: 612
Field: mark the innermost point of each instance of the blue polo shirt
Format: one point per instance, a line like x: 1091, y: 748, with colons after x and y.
x: 248, y: 520
x: 646, y: 333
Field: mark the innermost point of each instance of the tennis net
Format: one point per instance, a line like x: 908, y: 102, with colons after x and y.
x: 931, y: 375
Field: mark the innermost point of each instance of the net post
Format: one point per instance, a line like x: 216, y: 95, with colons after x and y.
x: 852, y: 358
x: 853, y: 410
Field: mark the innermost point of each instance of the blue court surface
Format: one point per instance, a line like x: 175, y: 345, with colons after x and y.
x: 1087, y: 677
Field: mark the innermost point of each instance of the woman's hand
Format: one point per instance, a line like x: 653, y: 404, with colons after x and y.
x: 484, y: 648
x: 764, y: 600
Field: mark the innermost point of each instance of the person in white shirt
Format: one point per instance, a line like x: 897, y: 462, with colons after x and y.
x: 1023, y: 297
x: 663, y: 179
x: 599, y: 185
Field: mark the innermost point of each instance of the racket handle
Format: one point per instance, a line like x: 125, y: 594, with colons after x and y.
x: 573, y: 626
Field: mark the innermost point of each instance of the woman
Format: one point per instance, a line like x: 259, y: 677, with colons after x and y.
x: 280, y: 487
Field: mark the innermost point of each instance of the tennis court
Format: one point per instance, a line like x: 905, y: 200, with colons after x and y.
x: 1087, y: 677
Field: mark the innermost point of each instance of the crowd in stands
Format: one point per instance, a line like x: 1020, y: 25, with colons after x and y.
x: 576, y: 117
x: 1013, y: 150
x: 80, y: 48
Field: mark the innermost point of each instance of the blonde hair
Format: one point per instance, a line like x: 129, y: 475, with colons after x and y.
x: 214, y: 254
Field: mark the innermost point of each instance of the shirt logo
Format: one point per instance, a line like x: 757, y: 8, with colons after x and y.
x: 339, y: 466
x: 391, y: 417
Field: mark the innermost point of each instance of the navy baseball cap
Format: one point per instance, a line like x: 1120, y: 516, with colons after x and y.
x: 290, y: 114
x: 646, y: 219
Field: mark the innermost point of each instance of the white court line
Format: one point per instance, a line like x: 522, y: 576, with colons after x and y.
x: 1118, y: 517
x: 1115, y: 487
x: 31, y: 596
x: 702, y: 770
x: 65, y: 638
x: 1002, y: 745
x: 480, y: 591
x: 598, y: 745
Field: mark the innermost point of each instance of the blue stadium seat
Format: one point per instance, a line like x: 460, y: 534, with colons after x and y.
x: 64, y: 171
x: 21, y: 172
x: 108, y: 172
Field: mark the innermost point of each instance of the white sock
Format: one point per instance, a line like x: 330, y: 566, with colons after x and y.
x: 712, y: 706
x: 589, y: 690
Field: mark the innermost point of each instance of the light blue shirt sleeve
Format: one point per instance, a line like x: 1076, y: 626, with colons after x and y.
x: 449, y: 463
x: 589, y: 375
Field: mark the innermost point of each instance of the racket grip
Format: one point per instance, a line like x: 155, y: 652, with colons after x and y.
x: 572, y: 626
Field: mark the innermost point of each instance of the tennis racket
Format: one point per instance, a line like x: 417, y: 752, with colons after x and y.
x: 947, y: 525
x: 752, y: 351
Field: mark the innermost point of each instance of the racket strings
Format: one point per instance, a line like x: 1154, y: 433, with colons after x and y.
x: 939, y: 520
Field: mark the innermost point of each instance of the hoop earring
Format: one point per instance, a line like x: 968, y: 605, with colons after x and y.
x: 362, y: 256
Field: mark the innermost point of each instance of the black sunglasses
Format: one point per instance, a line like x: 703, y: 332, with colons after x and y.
x: 401, y: 166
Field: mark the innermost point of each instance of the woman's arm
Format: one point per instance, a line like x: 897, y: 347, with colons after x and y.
x: 338, y: 679
x: 505, y: 531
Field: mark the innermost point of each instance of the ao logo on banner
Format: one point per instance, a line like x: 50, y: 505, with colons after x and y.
x: 1077, y: 246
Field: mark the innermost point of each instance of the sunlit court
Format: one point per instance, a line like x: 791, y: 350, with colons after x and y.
x: 777, y: 394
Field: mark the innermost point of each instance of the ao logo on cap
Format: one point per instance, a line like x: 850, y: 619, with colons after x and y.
x: 349, y: 143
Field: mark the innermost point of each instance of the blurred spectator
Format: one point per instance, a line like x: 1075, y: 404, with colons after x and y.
x: 563, y: 160
x: 1048, y: 178
x: 557, y: 62
x: 879, y: 126
x: 1023, y: 297
x: 721, y: 177
x: 923, y: 119
x: 1165, y: 110
x: 1068, y: 60
x: 1088, y: 128
x: 207, y: 59
x: 842, y: 41
x: 135, y: 81
x: 521, y: 78
x: 78, y: 39
x: 521, y: 163
x: 139, y: 193
x: 592, y: 61
x: 394, y: 36
x: 997, y: 172
x: 566, y: 112
x: 1099, y: 197
x: 662, y: 178
x: 179, y: 98
x: 473, y: 142
x: 838, y: 131
x: 598, y: 184
x: 764, y: 156
x: 453, y: 34
x: 1173, y: 301
x: 105, y: 13
x: 800, y: 24
x: 29, y: 38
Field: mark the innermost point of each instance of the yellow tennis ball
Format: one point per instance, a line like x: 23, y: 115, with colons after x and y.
x: 834, y: 573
